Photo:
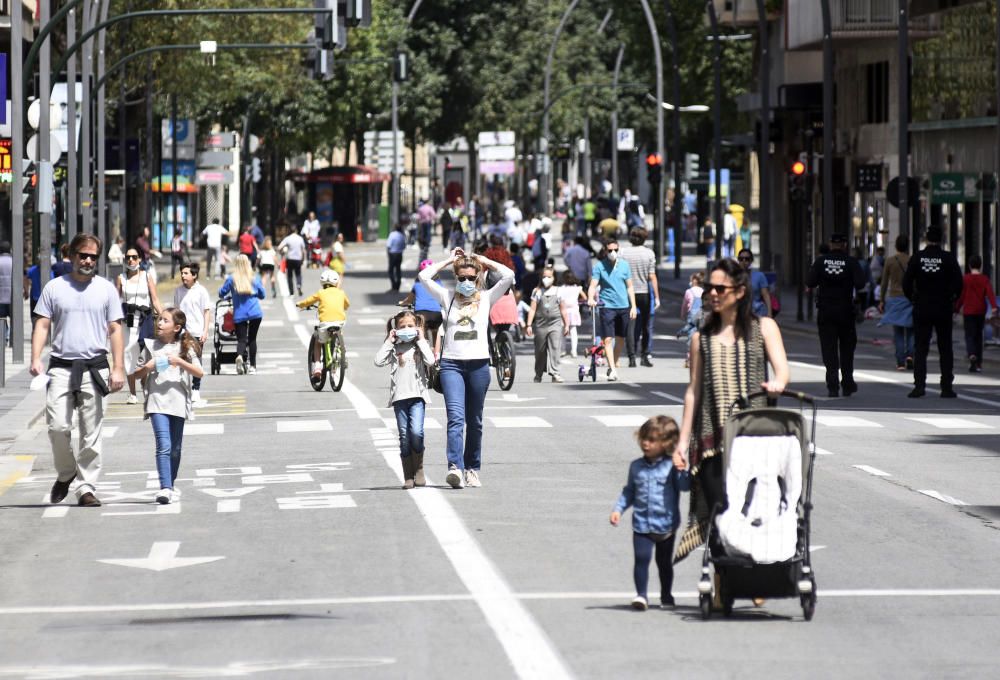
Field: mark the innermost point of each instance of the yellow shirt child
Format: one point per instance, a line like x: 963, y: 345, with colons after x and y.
x: 333, y: 304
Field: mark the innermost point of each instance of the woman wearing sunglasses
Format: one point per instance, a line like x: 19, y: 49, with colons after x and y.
x: 729, y: 358
x: 137, y: 290
x: 465, y: 355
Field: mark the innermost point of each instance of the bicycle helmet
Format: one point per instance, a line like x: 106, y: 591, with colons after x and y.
x: 425, y: 264
x: 329, y: 278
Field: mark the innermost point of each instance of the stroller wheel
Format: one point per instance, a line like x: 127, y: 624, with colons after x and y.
x: 705, y: 603
x: 582, y: 373
x: 727, y: 606
x: 808, y: 606
x: 215, y: 364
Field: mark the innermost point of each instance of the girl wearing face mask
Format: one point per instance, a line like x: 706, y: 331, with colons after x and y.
x: 137, y: 291
x: 465, y: 356
x: 408, y: 354
x: 548, y: 323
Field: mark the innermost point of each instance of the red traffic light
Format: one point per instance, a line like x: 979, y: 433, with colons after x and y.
x: 798, y: 168
x: 654, y: 159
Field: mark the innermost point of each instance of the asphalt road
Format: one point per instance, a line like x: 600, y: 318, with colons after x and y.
x: 294, y: 554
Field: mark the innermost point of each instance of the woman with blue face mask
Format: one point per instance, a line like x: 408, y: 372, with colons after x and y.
x: 465, y: 356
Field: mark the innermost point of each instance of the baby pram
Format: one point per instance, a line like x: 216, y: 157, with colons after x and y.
x: 223, y: 336
x: 759, y: 543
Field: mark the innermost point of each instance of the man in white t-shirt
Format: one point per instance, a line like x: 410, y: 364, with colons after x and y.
x: 192, y: 299
x: 310, y: 229
x: 84, y: 313
x: 294, y: 249
x: 213, y: 234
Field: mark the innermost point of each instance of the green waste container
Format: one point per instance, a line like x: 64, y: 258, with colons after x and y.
x: 383, y: 221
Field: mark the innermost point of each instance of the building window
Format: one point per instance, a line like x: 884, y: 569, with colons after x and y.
x: 877, y: 89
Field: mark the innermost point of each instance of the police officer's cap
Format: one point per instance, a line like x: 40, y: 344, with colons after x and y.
x: 933, y: 234
x: 838, y: 237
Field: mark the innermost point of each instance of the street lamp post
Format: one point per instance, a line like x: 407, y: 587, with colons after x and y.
x: 651, y: 22
x: 764, y: 148
x: 16, y: 204
x: 86, y: 122
x: 42, y: 172
x: 828, y: 121
x: 675, y: 137
x: 543, y: 176
x: 720, y: 231
x: 72, y: 132
x: 903, y: 126
x: 102, y: 217
x: 615, y: 182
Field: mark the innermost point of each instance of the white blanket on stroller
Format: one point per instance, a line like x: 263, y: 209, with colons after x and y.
x: 762, y: 524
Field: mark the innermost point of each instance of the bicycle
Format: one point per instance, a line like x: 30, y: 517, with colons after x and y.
x: 334, y: 357
x: 502, y: 356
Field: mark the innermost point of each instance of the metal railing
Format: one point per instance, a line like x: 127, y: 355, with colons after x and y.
x: 872, y: 15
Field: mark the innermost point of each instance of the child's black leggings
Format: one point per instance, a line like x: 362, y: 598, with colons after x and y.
x: 644, y: 546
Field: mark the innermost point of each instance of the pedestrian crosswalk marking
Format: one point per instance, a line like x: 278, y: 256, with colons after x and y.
x: 275, y: 355
x: 304, y: 426
x: 845, y: 421
x: 429, y: 424
x: 204, y: 428
x: 873, y: 471
x: 109, y: 431
x: 519, y: 421
x: 946, y: 423
x: 272, y: 323
x: 936, y: 495
x: 620, y: 421
x: 364, y: 321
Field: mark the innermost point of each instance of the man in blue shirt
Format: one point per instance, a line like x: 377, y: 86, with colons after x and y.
x: 760, y: 293
x: 617, y: 299
x: 395, y: 247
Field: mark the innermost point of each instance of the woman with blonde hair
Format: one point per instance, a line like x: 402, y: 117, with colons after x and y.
x: 465, y: 355
x: 245, y: 289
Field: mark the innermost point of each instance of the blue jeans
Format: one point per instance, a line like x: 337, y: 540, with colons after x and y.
x: 903, y: 337
x: 465, y: 384
x: 410, y: 421
x: 169, y: 433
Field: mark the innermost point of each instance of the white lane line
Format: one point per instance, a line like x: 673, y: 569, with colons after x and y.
x: 109, y: 432
x: 668, y: 397
x: 516, y: 421
x: 950, y: 423
x: 620, y: 421
x: 872, y: 471
x: 527, y: 646
x: 275, y: 355
x: 272, y: 323
x: 821, y: 452
x: 364, y: 321
x: 624, y: 596
x: 941, y: 497
x: 845, y: 421
x: 304, y: 426
x: 429, y: 423
x: 204, y: 428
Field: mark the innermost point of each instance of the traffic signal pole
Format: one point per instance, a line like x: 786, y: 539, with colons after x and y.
x: 720, y: 232
x: 675, y: 138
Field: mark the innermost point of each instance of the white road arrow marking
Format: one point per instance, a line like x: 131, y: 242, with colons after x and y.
x: 162, y: 556
x: 517, y: 399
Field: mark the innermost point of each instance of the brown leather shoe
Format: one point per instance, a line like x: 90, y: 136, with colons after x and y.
x: 89, y: 500
x: 60, y: 489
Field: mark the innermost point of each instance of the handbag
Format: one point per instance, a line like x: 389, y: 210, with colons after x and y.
x: 434, y: 370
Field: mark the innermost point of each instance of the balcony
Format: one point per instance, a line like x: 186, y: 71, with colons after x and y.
x: 853, y: 21
x: 744, y: 12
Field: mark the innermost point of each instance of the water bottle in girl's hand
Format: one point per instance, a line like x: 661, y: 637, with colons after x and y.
x: 162, y: 364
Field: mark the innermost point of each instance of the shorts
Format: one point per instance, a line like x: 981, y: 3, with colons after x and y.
x: 432, y: 320
x: 324, y: 331
x: 613, y: 323
x: 267, y: 269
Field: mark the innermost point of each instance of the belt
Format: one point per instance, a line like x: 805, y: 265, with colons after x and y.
x: 78, y: 366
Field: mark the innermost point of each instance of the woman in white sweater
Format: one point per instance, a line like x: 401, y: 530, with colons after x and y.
x: 465, y: 356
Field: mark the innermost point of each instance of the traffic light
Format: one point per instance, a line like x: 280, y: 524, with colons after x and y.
x: 691, y: 166
x: 359, y: 13
x: 654, y: 168
x: 797, y: 181
x: 400, y: 66
x: 326, y: 25
x: 255, y: 172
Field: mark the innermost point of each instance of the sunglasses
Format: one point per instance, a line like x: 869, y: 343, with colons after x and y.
x: 132, y: 257
x: 87, y: 256
x: 718, y: 288
x: 745, y: 259
x: 466, y: 278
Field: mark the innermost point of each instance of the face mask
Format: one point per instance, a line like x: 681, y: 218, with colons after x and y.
x: 466, y: 288
x: 546, y: 281
x: 406, y: 334
x: 133, y: 267
x: 613, y: 255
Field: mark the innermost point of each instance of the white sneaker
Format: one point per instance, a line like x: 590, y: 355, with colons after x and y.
x: 612, y: 375
x: 252, y: 370
x: 317, y: 369
x: 472, y: 479
x: 239, y: 366
x: 164, y: 497
x: 131, y: 399
x: 176, y: 493
x: 454, y: 478
x: 557, y: 379
x: 639, y: 603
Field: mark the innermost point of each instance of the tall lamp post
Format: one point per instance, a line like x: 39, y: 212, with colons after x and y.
x: 615, y: 182
x: 828, y: 122
x: 659, y: 124
x: 720, y: 231
x: 764, y: 148
x: 543, y: 176
x: 675, y: 137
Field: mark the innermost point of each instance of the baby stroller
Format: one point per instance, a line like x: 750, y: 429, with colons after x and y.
x: 223, y: 336
x: 596, y: 352
x: 759, y: 543
x: 315, y: 253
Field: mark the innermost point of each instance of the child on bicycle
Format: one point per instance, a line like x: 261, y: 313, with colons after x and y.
x: 408, y: 354
x: 333, y: 304
x: 653, y: 492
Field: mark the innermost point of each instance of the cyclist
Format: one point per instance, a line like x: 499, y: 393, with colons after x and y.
x: 333, y: 304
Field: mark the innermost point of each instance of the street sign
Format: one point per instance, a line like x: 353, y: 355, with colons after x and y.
x: 220, y: 140
x: 496, y: 138
x: 953, y: 187
x: 208, y: 177
x: 496, y: 167
x: 626, y: 139
x: 215, y: 159
x: 55, y: 149
x: 868, y: 178
x: 46, y: 196
x: 497, y: 153
x: 184, y: 137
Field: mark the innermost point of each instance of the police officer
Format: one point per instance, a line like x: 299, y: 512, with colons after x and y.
x: 932, y: 282
x: 837, y: 275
